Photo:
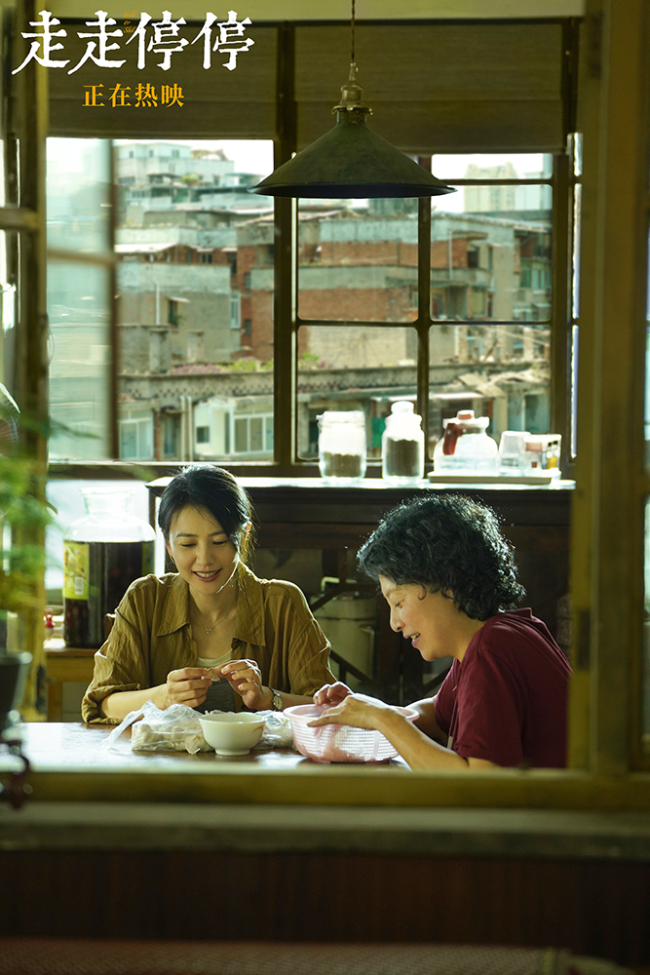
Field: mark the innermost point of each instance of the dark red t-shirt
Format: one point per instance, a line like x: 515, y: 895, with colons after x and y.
x: 506, y: 702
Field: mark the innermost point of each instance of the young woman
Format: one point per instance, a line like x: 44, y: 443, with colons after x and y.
x: 211, y: 635
x: 449, y: 578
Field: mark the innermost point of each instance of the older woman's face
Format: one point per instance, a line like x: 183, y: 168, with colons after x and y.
x: 428, y: 619
x: 203, y: 554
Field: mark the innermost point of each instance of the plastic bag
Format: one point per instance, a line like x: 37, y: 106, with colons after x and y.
x: 277, y: 730
x: 175, y: 729
x: 178, y: 729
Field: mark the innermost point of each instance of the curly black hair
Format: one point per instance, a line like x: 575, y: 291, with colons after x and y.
x: 447, y: 543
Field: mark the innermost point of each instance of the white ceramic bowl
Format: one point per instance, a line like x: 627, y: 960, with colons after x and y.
x: 231, y: 733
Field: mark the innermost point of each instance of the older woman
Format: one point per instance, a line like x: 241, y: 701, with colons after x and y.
x: 449, y: 578
x: 211, y: 635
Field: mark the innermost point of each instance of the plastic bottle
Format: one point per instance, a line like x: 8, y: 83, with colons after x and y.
x: 466, y: 447
x: 342, y: 446
x: 402, y: 445
x: 103, y: 553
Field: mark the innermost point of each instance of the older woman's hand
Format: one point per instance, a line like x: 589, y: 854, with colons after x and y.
x: 331, y: 694
x: 245, y: 677
x: 356, y: 710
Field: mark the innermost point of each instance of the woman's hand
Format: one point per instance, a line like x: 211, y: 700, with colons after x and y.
x: 356, y: 710
x: 331, y: 694
x: 245, y: 677
x: 186, y: 686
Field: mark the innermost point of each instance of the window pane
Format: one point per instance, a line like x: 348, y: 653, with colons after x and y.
x: 241, y: 436
x: 358, y: 260
x: 78, y: 194
x: 352, y: 368
x: 78, y: 297
x: 575, y: 278
x: 195, y: 282
x: 512, y: 165
x: 256, y: 442
x: 78, y: 307
x: 499, y: 371
x: 573, y: 378
x: 8, y: 416
x: 491, y: 242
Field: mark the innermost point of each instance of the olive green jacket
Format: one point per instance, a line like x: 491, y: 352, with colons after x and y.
x: 152, y: 636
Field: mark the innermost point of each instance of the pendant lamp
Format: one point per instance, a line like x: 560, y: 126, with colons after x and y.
x: 351, y: 161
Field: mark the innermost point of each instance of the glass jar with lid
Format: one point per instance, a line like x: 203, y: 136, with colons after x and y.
x: 342, y: 446
x: 402, y: 445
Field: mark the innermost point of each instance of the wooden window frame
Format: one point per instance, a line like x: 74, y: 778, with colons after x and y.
x: 608, y: 769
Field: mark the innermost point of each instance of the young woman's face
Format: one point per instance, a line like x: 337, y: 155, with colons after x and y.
x: 204, y: 556
x: 428, y: 619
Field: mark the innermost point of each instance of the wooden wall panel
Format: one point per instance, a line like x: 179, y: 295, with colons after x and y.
x: 597, y: 908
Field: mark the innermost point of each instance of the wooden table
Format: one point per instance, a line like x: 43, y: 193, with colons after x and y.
x: 73, y: 747
x: 69, y: 761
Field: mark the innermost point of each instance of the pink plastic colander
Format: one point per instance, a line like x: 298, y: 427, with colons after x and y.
x: 339, y: 742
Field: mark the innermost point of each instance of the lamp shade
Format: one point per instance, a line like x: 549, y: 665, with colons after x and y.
x: 351, y: 162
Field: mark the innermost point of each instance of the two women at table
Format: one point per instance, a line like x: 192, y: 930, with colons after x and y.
x: 214, y: 636
x: 210, y: 635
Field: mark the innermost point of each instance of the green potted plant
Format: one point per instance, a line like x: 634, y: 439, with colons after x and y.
x: 24, y: 514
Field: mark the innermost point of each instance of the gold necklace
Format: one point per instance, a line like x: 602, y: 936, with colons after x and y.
x: 209, y: 629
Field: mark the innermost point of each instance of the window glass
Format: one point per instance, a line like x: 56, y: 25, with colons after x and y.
x: 491, y: 262
x: 575, y: 277
x: 499, y: 371
x: 360, y: 367
x: 195, y: 282
x: 573, y: 380
x: 79, y: 297
x: 358, y: 260
x: 487, y: 166
x: 78, y: 195
x: 577, y: 153
x: 7, y: 339
x: 251, y: 440
x: 491, y: 241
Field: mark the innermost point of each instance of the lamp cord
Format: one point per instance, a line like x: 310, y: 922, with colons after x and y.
x: 352, y: 34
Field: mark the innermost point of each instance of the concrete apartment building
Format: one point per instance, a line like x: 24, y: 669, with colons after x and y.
x: 196, y: 287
